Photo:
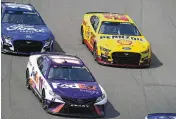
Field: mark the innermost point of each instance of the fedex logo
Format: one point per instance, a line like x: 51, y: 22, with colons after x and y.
x: 74, y: 85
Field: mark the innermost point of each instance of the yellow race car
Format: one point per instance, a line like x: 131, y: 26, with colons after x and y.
x: 114, y: 39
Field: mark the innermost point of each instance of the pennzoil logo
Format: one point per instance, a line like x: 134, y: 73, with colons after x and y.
x: 124, y: 42
x: 122, y: 37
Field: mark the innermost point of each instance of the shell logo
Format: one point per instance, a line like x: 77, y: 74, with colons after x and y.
x: 124, y: 42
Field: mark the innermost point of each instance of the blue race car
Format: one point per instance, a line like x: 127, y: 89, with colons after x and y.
x: 161, y: 116
x: 65, y: 85
x: 23, y: 31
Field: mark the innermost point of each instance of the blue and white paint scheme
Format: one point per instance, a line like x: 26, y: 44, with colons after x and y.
x: 23, y: 30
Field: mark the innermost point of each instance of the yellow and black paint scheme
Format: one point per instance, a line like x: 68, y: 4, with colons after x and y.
x: 106, y: 46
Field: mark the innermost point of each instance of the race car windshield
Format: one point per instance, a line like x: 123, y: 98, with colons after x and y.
x: 29, y: 18
x: 119, y: 28
x: 73, y: 73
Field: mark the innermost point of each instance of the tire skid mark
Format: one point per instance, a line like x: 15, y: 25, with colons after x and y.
x: 10, y: 84
x: 172, y: 21
x: 140, y: 83
x: 160, y: 85
x: 151, y: 75
x: 8, y: 77
x: 165, y: 97
x: 143, y: 90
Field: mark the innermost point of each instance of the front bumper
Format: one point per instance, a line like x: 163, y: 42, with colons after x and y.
x: 11, y: 50
x: 75, y: 110
x: 141, y: 62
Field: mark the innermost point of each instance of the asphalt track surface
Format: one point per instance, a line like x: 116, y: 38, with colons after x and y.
x: 132, y: 93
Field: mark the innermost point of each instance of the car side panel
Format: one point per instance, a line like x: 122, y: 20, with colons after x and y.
x: 35, y: 74
x: 40, y: 83
x: 89, y: 33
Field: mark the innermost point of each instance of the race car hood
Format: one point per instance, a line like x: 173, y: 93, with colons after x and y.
x: 29, y: 32
x: 76, y: 89
x: 123, y: 43
x: 161, y: 116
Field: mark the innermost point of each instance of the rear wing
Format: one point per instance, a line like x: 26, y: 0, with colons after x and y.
x: 97, y: 12
x: 3, y: 2
x: 102, y: 13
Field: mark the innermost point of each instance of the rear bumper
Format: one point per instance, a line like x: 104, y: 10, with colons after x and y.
x: 66, y: 110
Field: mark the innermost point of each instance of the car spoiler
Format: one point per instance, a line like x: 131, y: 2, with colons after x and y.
x: 102, y: 13
x: 97, y: 12
x: 3, y: 2
x: 54, y: 53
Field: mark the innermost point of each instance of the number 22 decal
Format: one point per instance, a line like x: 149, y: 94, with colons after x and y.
x: 92, y: 39
x: 87, y: 32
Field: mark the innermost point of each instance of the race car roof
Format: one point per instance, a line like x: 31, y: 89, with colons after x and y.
x: 65, y: 60
x: 18, y: 7
x: 106, y: 16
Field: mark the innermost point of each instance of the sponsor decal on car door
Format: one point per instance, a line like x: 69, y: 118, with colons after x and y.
x: 87, y: 33
x: 38, y: 79
x: 92, y: 38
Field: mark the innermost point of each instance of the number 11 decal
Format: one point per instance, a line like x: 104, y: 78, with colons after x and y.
x: 40, y: 83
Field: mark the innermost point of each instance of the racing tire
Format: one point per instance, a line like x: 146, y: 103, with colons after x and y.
x: 27, y: 80
x: 148, y: 66
x: 2, y: 48
x: 95, y: 52
x: 82, y: 35
x: 44, y: 102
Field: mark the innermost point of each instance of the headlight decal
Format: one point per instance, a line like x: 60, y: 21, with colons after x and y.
x: 104, y: 49
x: 7, y: 39
x: 145, y: 52
x: 51, y: 93
x: 55, y: 96
x: 48, y: 42
x: 100, y: 98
